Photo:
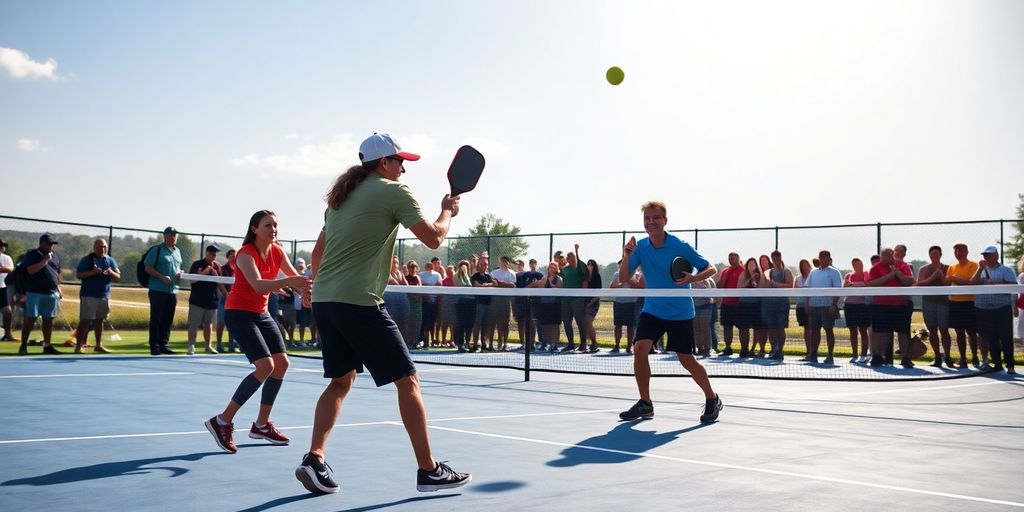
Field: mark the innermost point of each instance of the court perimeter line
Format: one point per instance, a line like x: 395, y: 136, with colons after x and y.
x: 146, y: 374
x: 736, y: 467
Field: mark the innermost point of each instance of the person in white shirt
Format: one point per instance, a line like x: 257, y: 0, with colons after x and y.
x: 6, y: 267
x: 501, y: 307
x: 429, y: 277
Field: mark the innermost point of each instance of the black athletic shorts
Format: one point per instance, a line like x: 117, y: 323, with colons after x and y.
x: 352, y: 337
x: 729, y: 315
x: 857, y: 315
x: 680, y: 332
x: 623, y: 313
x: 962, y: 315
x: 3, y: 298
x: 257, y: 333
x: 887, y: 319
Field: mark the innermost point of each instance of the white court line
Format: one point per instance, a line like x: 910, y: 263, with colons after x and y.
x: 738, y: 467
x: 148, y: 374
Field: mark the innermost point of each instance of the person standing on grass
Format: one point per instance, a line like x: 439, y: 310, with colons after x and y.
x: 163, y: 264
x: 858, y: 315
x: 665, y: 315
x: 935, y: 308
x: 962, y: 317
x: 96, y: 271
x: 222, y: 297
x: 822, y: 311
x: 43, y: 292
x: 257, y: 266
x: 887, y: 311
x: 350, y: 261
x: 995, y: 311
x: 6, y: 267
x: 202, y: 301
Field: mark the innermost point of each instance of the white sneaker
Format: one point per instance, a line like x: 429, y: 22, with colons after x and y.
x: 854, y: 360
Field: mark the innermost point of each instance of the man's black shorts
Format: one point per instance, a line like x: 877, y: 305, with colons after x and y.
x: 354, y: 336
x: 962, y: 315
x: 728, y: 315
x: 888, y: 319
x: 680, y: 332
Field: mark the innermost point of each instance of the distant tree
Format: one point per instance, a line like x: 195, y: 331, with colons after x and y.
x: 503, y: 238
x: 1014, y: 249
x: 127, y: 266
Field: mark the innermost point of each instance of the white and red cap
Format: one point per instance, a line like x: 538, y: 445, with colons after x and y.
x: 380, y: 145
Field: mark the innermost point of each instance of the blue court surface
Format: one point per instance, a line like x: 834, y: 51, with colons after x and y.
x: 126, y: 433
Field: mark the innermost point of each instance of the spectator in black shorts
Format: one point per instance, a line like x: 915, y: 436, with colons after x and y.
x: 887, y: 311
x: 801, y: 302
x: 549, y: 309
x: 730, y: 305
x: 749, y: 308
x: 522, y: 306
x: 624, y: 312
x: 858, y: 316
x: 961, y: 307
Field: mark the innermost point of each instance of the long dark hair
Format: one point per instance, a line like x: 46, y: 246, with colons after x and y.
x: 594, y: 276
x: 254, y: 222
x: 347, y: 182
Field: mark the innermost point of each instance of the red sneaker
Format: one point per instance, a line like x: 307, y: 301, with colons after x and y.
x: 222, y: 434
x: 268, y: 432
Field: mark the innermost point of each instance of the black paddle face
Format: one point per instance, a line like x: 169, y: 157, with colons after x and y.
x: 679, y: 267
x: 465, y: 171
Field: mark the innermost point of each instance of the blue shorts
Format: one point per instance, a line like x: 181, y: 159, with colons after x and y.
x: 41, y: 304
x: 220, y: 308
x: 356, y: 336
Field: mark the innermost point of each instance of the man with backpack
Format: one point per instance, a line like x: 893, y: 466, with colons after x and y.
x: 96, y: 270
x: 163, y: 269
x: 41, y: 276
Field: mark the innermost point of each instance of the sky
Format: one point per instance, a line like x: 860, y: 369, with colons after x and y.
x: 736, y: 114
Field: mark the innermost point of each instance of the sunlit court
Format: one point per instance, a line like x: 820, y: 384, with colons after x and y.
x: 502, y: 256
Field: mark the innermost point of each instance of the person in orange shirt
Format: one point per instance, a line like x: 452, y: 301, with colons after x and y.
x: 961, y: 307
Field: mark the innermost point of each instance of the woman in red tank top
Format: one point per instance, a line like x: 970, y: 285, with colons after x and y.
x: 257, y: 266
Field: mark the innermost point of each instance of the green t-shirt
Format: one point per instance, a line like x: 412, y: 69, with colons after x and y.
x: 573, y: 277
x: 166, y: 262
x: 360, y: 240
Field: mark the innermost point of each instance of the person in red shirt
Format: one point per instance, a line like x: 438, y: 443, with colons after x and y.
x: 257, y: 266
x: 729, y: 279
x: 887, y: 311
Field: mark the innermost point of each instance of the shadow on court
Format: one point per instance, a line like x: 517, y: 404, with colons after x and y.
x: 280, y: 501
x: 111, y: 469
x: 398, y: 502
x: 621, y: 444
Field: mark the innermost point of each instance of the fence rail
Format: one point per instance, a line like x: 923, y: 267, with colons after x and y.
x: 845, y: 241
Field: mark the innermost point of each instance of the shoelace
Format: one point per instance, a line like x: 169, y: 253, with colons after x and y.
x: 444, y: 469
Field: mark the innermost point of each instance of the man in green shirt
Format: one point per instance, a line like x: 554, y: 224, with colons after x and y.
x: 351, y: 262
x: 574, y: 274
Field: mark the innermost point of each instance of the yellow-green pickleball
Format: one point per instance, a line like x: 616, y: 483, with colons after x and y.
x: 615, y: 75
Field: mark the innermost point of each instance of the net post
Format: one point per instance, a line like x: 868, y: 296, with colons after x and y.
x: 776, y: 238
x: 551, y: 245
x: 696, y: 238
x: 1002, y: 244
x: 527, y: 348
x: 878, y: 238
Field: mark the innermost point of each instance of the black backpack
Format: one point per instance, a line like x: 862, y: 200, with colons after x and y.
x: 140, y: 267
x: 19, y: 277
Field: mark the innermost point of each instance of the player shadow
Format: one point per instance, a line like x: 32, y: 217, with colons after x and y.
x: 280, y: 501
x: 111, y: 469
x: 396, y: 503
x: 621, y: 444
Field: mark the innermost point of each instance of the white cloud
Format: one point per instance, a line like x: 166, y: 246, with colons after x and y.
x: 327, y: 159
x: 29, y: 144
x: 490, y: 148
x: 19, y: 65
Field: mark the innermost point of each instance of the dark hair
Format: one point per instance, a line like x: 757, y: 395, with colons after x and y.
x: 346, y: 183
x: 594, y: 277
x: 254, y: 222
x: 935, y: 248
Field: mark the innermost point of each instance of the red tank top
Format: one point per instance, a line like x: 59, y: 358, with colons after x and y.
x: 731, y: 278
x: 242, y: 296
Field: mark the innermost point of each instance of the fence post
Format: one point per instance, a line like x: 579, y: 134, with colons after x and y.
x: 623, y: 237
x: 202, y: 245
x: 110, y: 239
x: 551, y: 245
x: 1002, y: 244
x: 776, y: 238
x: 878, y: 238
x: 401, y: 250
x: 696, y: 238
x: 295, y: 250
x: 449, y: 258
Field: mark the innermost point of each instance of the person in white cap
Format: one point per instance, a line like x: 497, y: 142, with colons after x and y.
x: 350, y: 264
x: 995, y: 311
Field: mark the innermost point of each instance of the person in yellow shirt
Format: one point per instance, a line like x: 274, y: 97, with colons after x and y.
x: 961, y: 307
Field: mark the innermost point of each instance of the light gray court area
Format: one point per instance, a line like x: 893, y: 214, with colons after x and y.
x: 126, y: 433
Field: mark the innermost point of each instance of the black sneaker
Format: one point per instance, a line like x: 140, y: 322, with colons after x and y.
x: 50, y: 350
x: 726, y: 353
x: 639, y: 411
x: 165, y: 350
x: 949, y: 361
x: 711, y: 410
x: 744, y: 354
x: 316, y: 476
x: 442, y: 477
x: 907, y: 363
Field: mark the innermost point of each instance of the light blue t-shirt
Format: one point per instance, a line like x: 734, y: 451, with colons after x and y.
x: 657, y: 264
x: 999, y: 275
x: 823, y: 278
x: 166, y: 262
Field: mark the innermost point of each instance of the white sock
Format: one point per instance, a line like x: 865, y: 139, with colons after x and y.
x: 261, y: 427
x: 221, y: 422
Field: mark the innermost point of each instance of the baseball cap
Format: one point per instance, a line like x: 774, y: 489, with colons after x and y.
x: 47, y: 238
x: 213, y: 248
x: 300, y: 261
x: 380, y: 145
x: 990, y: 250
x: 3, y: 243
x: 170, y: 230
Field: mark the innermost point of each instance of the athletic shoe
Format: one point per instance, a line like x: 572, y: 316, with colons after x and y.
x: 1010, y: 370
x: 907, y: 363
x: 949, y: 361
x: 614, y: 350
x: 974, y: 361
x: 829, y: 360
x: 877, y: 361
x: 101, y: 349
x: 962, y: 364
x: 711, y: 410
x: 442, y: 477
x: 222, y: 434
x: 984, y: 367
x: 997, y: 368
x: 220, y: 347
x: 640, y: 410
x: 191, y: 351
x: 23, y: 350
x: 854, y: 360
x: 165, y: 350
x: 744, y: 354
x: 51, y: 351
x: 7, y: 337
x: 726, y: 353
x: 937, y: 363
x: 268, y: 432
x: 316, y: 476
x: 569, y: 348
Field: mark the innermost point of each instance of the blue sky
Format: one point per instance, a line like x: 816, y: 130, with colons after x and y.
x: 736, y: 114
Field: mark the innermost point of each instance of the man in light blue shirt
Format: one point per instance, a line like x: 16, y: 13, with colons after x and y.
x: 163, y: 264
x: 995, y: 312
x: 665, y: 315
x: 822, y: 311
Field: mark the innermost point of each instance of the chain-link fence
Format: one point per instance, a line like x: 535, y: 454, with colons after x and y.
x: 127, y: 245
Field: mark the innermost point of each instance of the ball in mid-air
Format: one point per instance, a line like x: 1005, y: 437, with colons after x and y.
x: 615, y: 75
